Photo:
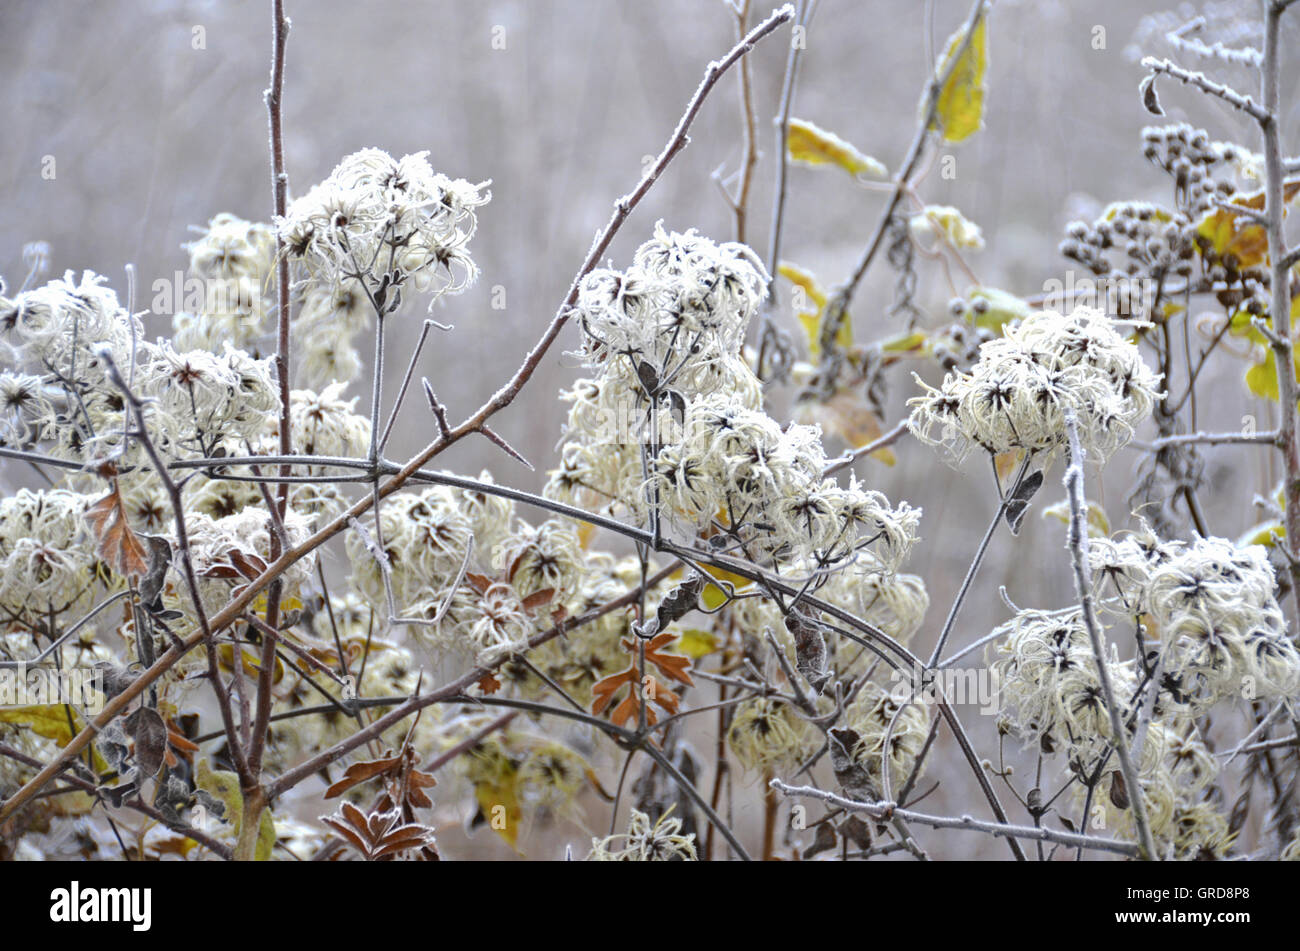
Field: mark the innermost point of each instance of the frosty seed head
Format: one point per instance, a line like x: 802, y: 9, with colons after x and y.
x: 1018, y: 393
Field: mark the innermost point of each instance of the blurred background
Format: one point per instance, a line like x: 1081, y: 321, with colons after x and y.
x: 559, y: 102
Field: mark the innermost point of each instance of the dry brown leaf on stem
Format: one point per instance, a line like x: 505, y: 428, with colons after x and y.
x: 115, y: 543
x: 379, y: 836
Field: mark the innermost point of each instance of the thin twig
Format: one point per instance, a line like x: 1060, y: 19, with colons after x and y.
x: 1078, y: 543
x: 1206, y: 85
x: 888, y: 810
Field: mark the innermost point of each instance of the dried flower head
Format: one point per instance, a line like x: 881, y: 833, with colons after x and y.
x: 376, y: 216
x: 1018, y: 393
x: 644, y: 841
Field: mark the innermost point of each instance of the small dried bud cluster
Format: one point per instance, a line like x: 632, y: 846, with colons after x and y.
x: 1151, y: 242
x: 1188, y: 155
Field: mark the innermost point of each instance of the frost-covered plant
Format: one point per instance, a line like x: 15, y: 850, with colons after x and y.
x: 661, y: 841
x: 1018, y: 393
x: 701, y: 609
x: 378, y: 217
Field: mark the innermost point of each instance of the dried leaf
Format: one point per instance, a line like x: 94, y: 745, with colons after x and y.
x: 1118, y: 790
x: 847, y: 415
x: 672, y: 666
x: 538, y: 598
x: 812, y: 660
x: 849, y: 773
x: 677, y: 603
x: 378, y: 836
x: 856, y: 831
x: 824, y: 840
x: 115, y: 543
x: 479, y: 583
x: 1021, y: 495
x: 358, y: 773
x: 150, y: 733
x: 160, y: 559
x: 1150, y: 101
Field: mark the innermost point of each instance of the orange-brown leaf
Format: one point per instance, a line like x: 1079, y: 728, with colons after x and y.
x: 538, y: 598
x: 672, y: 666
x: 358, y: 773
x: 604, y: 690
x: 115, y: 543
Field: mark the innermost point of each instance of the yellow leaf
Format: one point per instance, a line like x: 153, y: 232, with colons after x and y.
x: 500, y: 806
x: 695, y: 643
x: 804, y: 279
x: 905, y: 343
x: 1098, y: 523
x: 960, y: 231
x: 959, y: 111
x: 252, y: 662
x: 224, y: 785
x: 811, y: 320
x: 810, y: 145
x: 265, y: 837
x: 1231, y: 233
x: 847, y: 415
x: 49, y: 720
x: 1006, y: 464
x: 1261, y: 379
x: 714, y: 597
x: 1267, y: 534
x: 1003, y: 307
x: 586, y: 531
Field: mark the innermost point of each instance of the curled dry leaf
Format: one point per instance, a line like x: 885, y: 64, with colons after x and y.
x: 115, y: 543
